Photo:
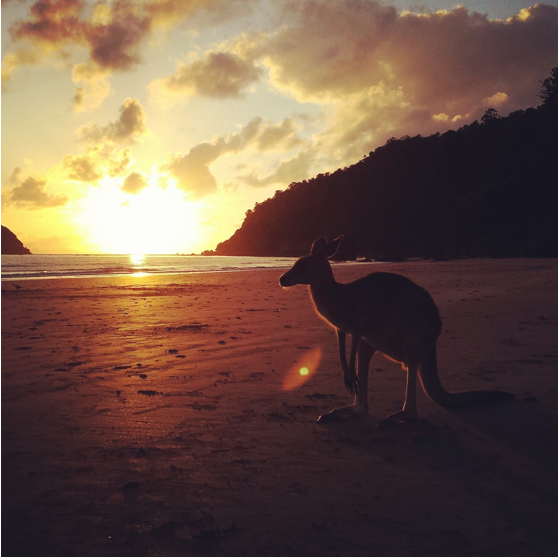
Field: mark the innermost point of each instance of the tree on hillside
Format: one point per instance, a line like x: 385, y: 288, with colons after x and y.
x: 549, y: 90
x: 490, y: 115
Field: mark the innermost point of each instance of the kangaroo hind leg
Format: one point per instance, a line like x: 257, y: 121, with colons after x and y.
x: 408, y: 411
x: 360, y: 406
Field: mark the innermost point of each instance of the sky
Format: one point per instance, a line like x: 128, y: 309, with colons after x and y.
x: 153, y: 126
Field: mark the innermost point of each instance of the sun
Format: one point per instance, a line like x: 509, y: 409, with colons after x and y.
x: 157, y: 220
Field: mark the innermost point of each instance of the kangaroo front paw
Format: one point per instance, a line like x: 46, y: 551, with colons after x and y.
x: 351, y: 382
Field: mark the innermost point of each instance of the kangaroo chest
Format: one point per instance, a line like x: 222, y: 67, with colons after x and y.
x: 333, y: 309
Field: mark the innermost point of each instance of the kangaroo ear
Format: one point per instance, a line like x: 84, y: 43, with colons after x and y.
x: 332, y: 247
x: 318, y: 245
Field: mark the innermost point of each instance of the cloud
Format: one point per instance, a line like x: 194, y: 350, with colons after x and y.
x: 119, y: 164
x: 31, y: 193
x: 327, y: 50
x: 218, y: 74
x: 101, y: 157
x: 111, y: 33
x: 94, y: 86
x: 14, y: 178
x: 130, y: 125
x: 170, y: 13
x: 51, y: 21
x: 134, y: 183
x: 274, y: 136
x: 296, y: 168
x: 14, y: 59
x: 81, y: 168
x: 379, y: 73
x: 192, y: 171
x: 115, y: 43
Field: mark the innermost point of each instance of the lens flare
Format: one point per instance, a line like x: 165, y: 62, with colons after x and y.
x: 303, y: 370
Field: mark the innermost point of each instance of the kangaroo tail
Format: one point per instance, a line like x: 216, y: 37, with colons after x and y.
x: 432, y: 386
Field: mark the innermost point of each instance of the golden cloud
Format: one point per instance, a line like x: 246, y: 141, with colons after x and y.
x: 112, y: 33
x: 81, y: 168
x: 119, y: 163
x: 94, y: 86
x: 101, y: 157
x: 134, y: 183
x: 378, y: 73
x: 449, y: 59
x: 218, y: 74
x: 31, y: 192
x: 192, y: 171
x: 130, y: 125
x: 293, y: 169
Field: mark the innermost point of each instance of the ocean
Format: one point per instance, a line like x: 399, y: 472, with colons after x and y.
x: 22, y: 267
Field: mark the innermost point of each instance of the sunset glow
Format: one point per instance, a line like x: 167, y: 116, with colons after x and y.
x: 160, y: 141
x: 153, y: 221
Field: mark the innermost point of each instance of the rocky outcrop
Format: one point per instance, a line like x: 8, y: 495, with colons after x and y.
x: 11, y: 245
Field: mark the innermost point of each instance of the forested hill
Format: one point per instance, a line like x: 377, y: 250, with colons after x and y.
x: 487, y: 189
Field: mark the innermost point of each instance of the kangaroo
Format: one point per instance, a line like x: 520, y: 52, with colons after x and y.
x: 386, y: 313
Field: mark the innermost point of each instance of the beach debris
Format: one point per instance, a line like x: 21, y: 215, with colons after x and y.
x: 195, y: 326
x: 74, y: 364
x: 173, y: 351
x: 149, y: 392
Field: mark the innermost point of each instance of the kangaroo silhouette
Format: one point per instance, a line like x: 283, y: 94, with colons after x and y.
x: 386, y: 313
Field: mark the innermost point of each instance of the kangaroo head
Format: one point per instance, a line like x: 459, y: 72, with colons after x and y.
x: 314, y: 267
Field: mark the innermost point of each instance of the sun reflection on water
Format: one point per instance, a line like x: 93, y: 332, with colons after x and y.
x: 137, y: 259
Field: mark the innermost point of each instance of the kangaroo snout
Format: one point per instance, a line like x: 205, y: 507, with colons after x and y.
x: 285, y: 280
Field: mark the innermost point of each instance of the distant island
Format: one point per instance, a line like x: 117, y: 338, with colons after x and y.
x: 489, y: 189
x: 11, y: 245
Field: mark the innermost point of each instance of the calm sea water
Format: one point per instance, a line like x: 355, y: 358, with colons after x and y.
x: 21, y: 267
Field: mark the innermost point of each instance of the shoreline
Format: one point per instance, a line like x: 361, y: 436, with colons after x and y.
x: 7, y: 282
x: 147, y: 416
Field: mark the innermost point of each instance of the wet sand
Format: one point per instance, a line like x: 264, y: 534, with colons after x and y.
x: 147, y: 416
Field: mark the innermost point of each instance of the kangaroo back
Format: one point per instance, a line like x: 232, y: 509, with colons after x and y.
x: 433, y: 388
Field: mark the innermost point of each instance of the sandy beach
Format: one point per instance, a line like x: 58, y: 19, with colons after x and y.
x: 149, y: 416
